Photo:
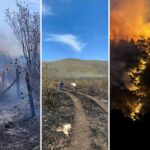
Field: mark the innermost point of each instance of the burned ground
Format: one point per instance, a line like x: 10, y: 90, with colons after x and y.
x: 17, y: 129
x: 63, y: 111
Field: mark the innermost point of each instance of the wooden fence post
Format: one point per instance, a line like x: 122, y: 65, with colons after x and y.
x: 18, y: 82
x: 3, y: 79
x: 32, y: 107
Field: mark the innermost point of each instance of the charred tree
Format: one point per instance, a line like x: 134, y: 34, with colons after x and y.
x: 26, y: 27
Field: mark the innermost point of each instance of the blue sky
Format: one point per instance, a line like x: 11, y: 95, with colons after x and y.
x: 75, y: 29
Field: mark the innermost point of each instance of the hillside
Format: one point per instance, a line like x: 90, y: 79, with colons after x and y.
x: 75, y: 68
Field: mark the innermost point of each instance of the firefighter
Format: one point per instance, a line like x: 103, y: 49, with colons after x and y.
x: 61, y: 86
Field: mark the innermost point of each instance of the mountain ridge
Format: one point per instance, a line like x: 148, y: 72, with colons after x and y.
x: 75, y: 68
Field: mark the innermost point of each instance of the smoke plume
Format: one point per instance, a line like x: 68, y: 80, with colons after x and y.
x: 123, y: 57
x: 9, y: 45
x: 129, y: 19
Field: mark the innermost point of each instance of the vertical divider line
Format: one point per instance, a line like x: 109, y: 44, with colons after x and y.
x: 40, y: 74
x: 109, y: 74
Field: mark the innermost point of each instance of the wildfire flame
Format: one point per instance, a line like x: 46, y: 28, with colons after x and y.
x: 131, y: 20
x: 135, y: 110
x: 136, y: 85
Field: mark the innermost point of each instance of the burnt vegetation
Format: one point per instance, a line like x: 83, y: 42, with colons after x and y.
x: 20, y: 83
x: 59, y: 110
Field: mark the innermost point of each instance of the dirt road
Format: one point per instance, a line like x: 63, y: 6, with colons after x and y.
x: 81, y: 131
x: 102, y: 104
x: 91, y: 133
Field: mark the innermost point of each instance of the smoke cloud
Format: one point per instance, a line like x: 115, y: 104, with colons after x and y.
x: 129, y: 19
x: 9, y: 45
x: 123, y: 57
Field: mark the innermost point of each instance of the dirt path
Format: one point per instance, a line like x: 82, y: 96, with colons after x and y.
x: 81, y: 132
x: 102, y: 104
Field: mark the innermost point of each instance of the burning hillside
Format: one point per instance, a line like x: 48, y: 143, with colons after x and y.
x: 130, y: 56
x: 129, y: 63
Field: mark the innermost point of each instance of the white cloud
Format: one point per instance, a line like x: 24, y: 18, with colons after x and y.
x: 68, y: 39
x: 46, y: 10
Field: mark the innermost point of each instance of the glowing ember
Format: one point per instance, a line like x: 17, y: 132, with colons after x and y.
x: 143, y: 62
x: 142, y: 67
x: 135, y: 110
x: 140, y: 94
x: 133, y: 87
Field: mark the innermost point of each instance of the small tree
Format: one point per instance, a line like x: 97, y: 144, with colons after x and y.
x: 26, y: 27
